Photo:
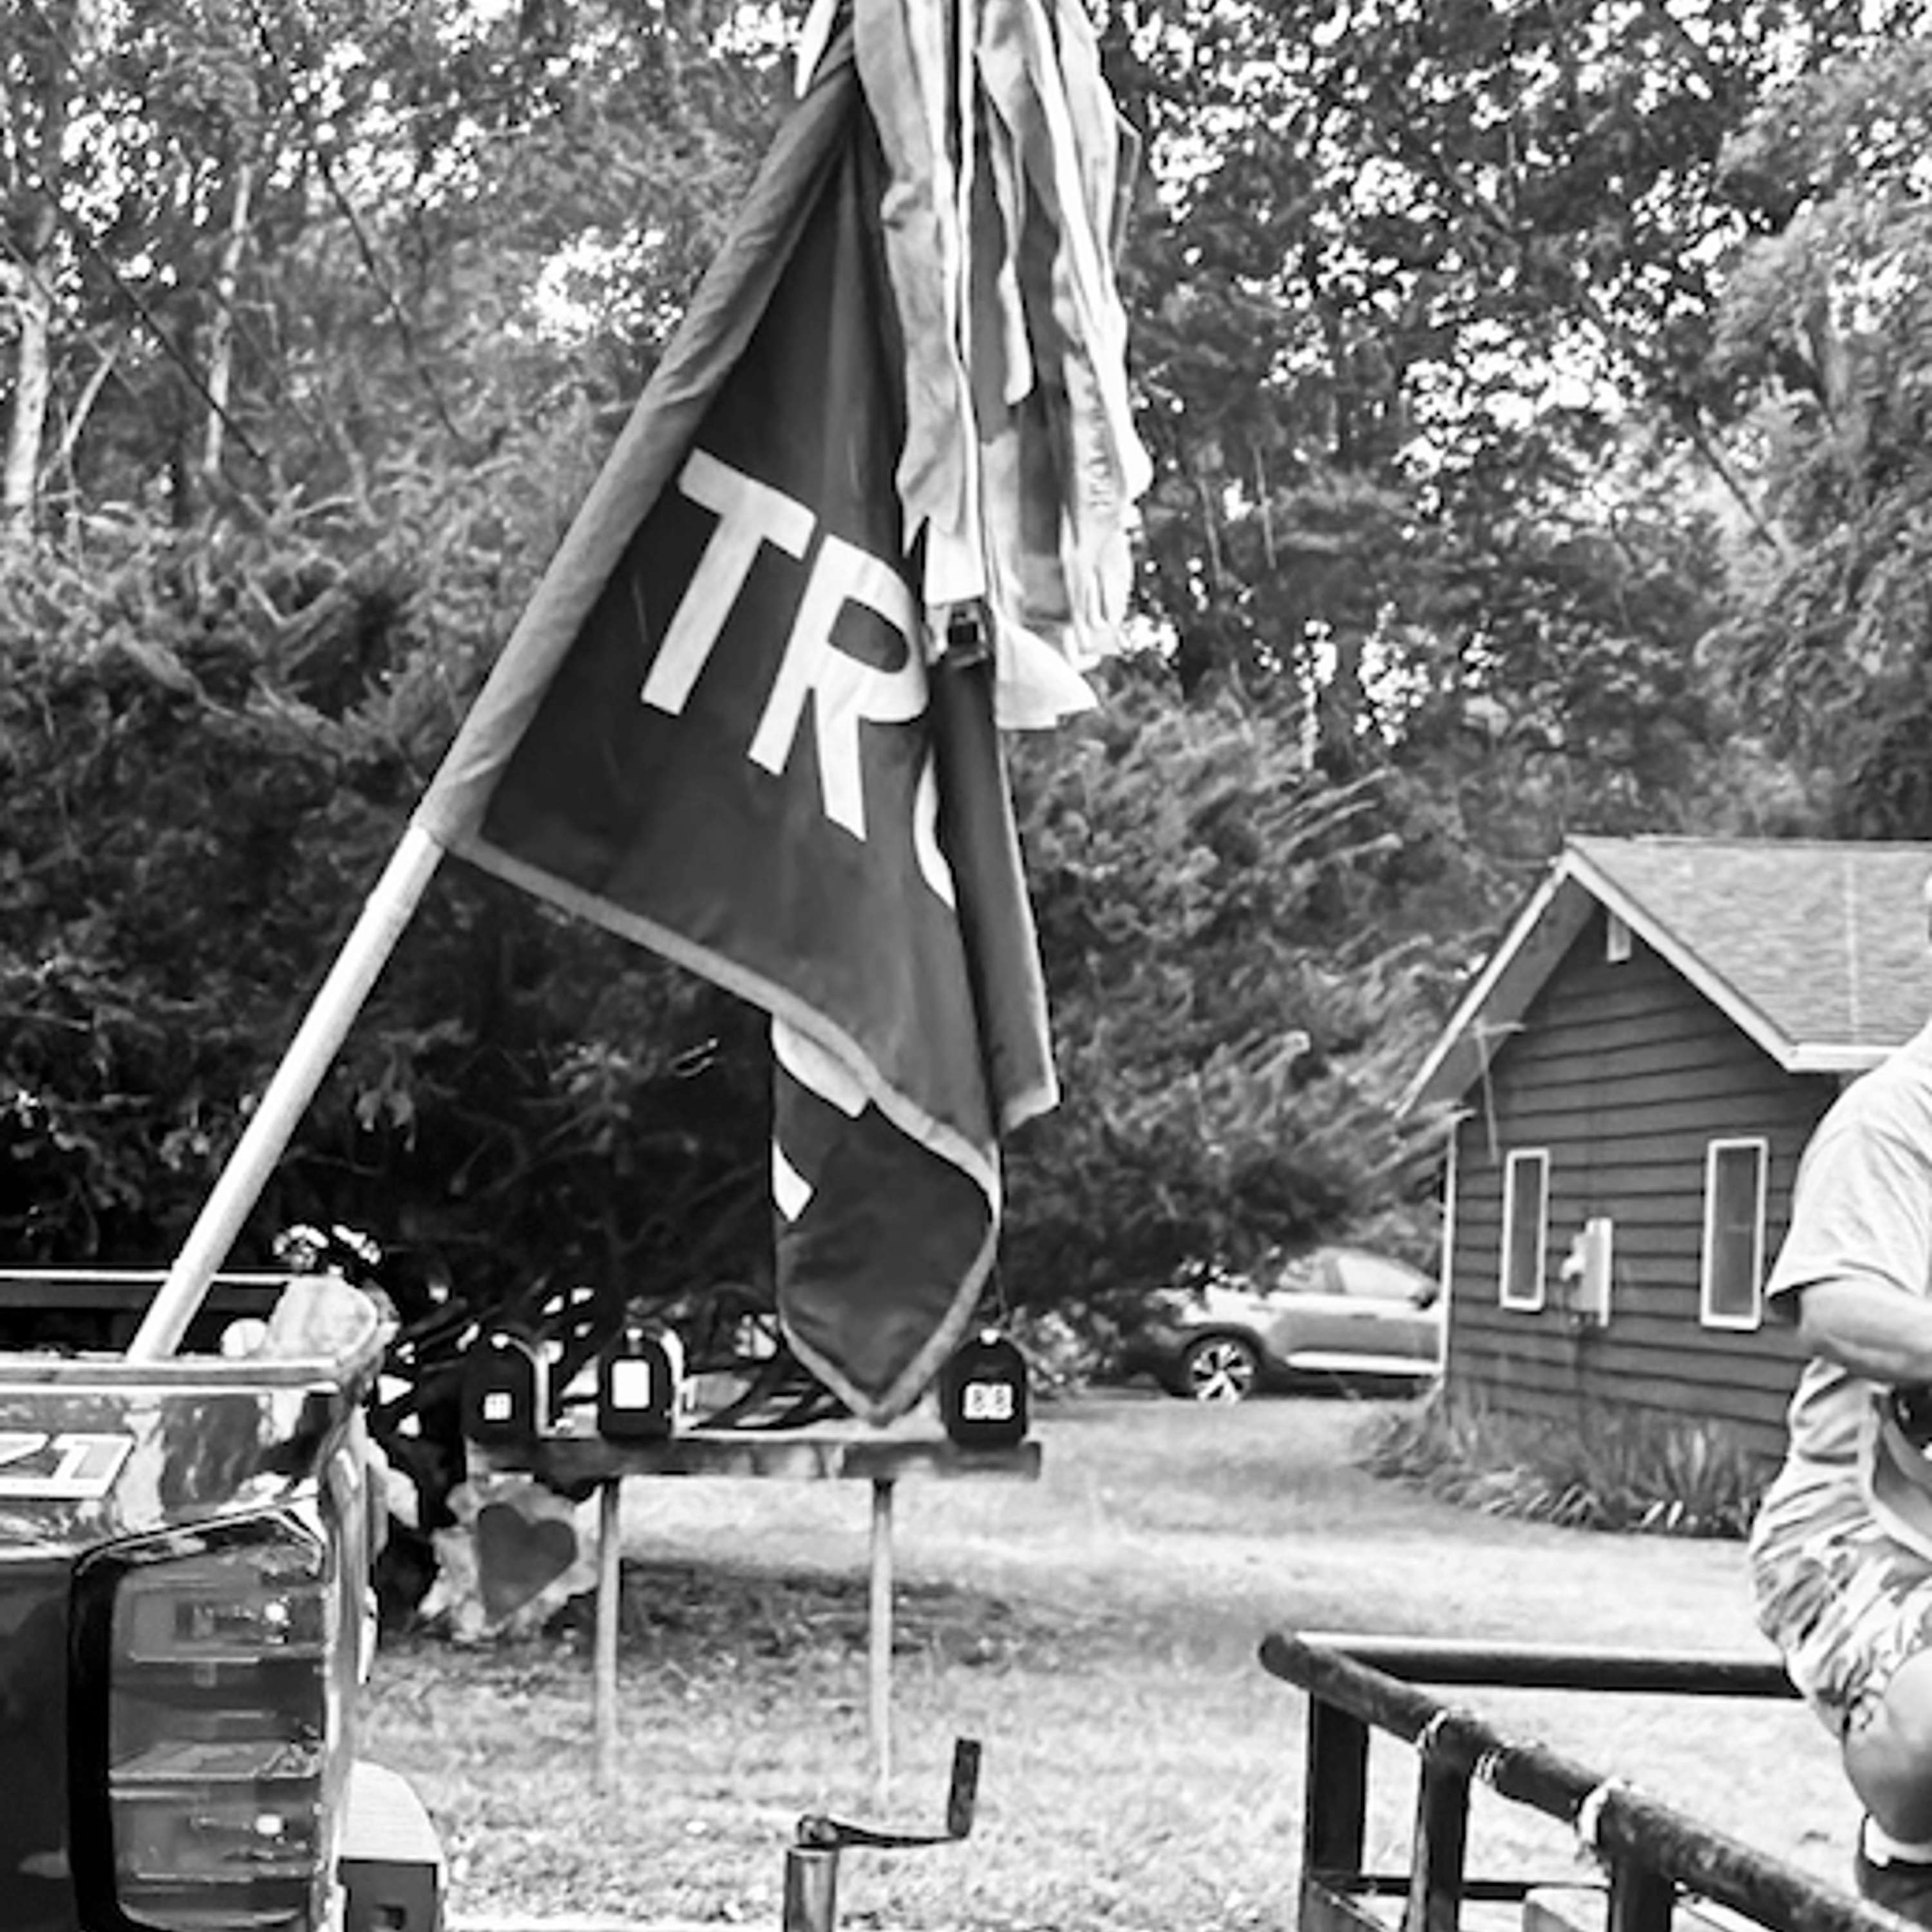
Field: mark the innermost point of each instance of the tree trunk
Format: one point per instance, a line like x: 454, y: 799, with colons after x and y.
x: 33, y: 384
x: 221, y: 323
x: 32, y: 187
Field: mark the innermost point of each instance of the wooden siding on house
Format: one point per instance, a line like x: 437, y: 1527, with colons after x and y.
x: 1624, y: 1074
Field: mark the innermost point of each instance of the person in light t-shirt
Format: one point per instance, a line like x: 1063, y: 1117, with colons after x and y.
x: 1848, y: 1603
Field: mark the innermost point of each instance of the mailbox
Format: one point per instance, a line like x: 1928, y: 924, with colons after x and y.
x: 982, y: 1393
x: 390, y: 1864
x: 506, y: 1389
x: 639, y: 1378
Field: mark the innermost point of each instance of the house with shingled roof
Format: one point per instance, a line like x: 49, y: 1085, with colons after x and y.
x: 1629, y: 1083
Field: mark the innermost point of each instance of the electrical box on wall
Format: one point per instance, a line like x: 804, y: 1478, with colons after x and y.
x: 1586, y: 1271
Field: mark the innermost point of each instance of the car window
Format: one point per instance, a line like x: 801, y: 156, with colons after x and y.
x: 1309, y: 1274
x: 1375, y: 1279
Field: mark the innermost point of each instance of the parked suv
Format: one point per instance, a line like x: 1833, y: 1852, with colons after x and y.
x: 1333, y: 1314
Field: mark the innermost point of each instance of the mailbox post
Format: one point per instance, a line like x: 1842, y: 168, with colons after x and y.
x: 575, y: 1462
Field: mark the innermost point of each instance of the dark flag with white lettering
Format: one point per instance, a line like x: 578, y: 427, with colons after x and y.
x: 721, y: 729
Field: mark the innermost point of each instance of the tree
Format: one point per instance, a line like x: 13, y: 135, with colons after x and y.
x: 197, y: 802
x: 1825, y: 325
x: 1229, y: 1032
x: 37, y: 71
x: 494, y: 214
x: 1408, y: 273
x: 1452, y: 501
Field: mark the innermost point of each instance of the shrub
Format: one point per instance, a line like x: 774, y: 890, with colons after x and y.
x: 1615, y: 1469
x: 1066, y: 1349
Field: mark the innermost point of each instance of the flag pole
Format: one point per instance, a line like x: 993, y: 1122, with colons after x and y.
x: 386, y: 915
x: 717, y: 324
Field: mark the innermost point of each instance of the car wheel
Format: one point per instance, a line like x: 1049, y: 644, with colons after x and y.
x: 1221, y: 1368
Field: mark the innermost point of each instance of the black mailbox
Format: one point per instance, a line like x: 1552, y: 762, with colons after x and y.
x: 506, y: 1389
x: 639, y: 1378
x: 982, y: 1393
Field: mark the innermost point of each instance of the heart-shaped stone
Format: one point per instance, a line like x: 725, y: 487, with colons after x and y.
x: 516, y: 1557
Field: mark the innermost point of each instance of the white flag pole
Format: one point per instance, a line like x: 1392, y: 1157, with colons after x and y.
x: 717, y: 325
x: 385, y: 915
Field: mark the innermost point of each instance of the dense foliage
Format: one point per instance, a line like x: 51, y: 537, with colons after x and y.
x: 1537, y: 393
x: 208, y: 754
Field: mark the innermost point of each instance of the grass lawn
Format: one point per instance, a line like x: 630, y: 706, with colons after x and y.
x: 1097, y: 1632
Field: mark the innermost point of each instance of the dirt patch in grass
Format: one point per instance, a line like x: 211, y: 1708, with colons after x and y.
x: 1097, y: 1631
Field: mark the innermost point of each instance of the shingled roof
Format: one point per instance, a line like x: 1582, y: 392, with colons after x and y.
x: 1817, y: 950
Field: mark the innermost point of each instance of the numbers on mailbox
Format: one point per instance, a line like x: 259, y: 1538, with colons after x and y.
x: 986, y: 1402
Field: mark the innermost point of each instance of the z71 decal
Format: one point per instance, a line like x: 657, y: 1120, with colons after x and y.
x: 67, y: 1469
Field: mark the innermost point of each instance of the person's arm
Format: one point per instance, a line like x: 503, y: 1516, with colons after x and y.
x: 1868, y: 1326
x: 1854, y: 1268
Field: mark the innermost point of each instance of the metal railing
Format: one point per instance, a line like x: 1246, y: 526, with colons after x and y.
x: 1654, y: 1857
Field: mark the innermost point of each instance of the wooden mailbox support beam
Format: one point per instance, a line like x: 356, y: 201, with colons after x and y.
x: 837, y: 1452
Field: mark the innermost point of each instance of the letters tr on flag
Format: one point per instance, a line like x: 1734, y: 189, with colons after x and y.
x: 719, y: 730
